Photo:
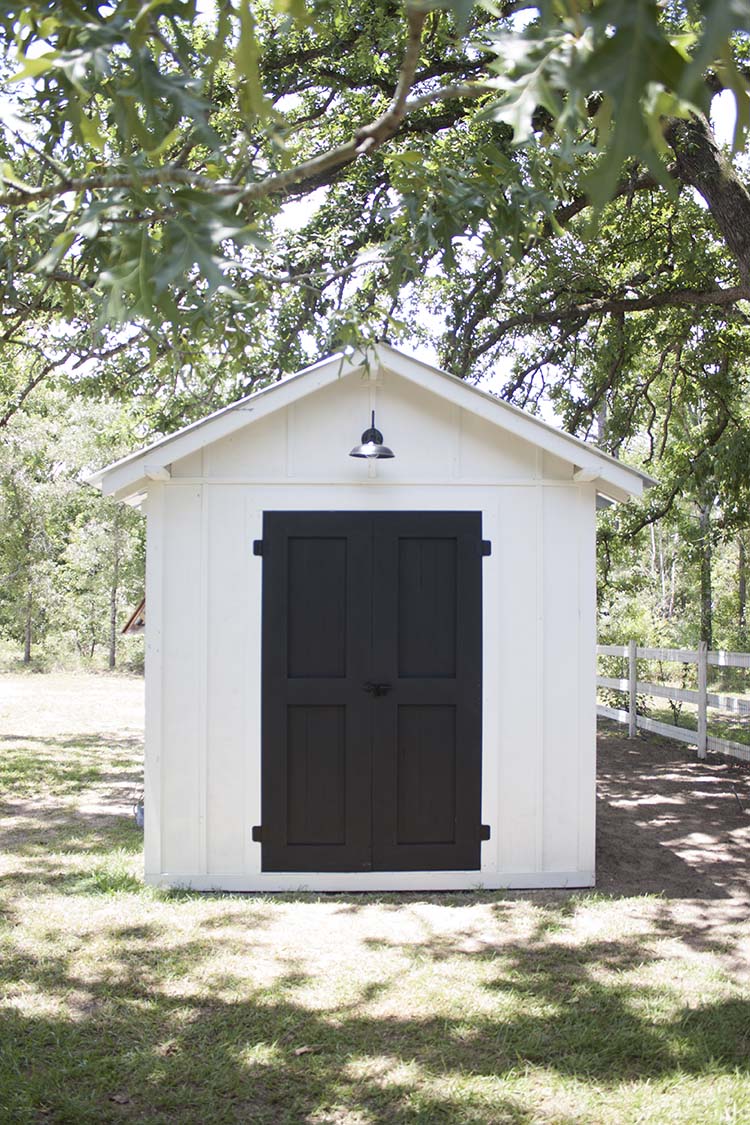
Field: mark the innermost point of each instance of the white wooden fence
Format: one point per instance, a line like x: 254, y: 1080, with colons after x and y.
x: 704, y: 699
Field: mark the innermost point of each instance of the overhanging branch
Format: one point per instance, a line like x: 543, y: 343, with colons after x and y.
x: 584, y: 310
x: 365, y: 140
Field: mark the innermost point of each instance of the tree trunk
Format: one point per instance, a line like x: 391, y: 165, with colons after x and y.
x: 27, y: 628
x: 700, y: 163
x: 113, y: 601
x: 705, y: 561
x: 601, y: 424
x: 673, y: 578
x: 742, y: 586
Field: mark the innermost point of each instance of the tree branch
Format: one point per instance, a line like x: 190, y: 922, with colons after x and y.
x: 669, y: 298
x: 365, y: 140
x: 701, y: 163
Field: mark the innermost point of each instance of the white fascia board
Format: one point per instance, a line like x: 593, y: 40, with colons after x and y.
x: 622, y: 478
x: 136, y: 500
x: 586, y: 474
x: 157, y: 472
x: 131, y: 472
x: 614, y: 494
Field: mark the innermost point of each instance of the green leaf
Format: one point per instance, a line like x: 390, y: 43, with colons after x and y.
x: 60, y: 246
x: 247, y: 65
x: 462, y: 10
x: 629, y: 64
x: 735, y: 81
x: 294, y: 8
x: 34, y: 67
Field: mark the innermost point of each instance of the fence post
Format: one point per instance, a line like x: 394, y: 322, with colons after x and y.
x: 633, y: 688
x: 702, y: 698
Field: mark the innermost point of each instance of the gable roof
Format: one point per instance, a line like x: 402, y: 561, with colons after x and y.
x: 130, y: 475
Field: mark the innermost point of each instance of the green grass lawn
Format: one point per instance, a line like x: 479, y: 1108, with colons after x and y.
x: 121, y: 1003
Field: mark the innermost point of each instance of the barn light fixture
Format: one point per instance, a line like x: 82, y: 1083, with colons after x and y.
x: 372, y: 444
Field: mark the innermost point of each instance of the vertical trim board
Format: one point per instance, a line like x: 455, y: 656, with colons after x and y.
x: 561, y: 680
x: 587, y: 688
x: 202, y: 628
x: 493, y: 699
x: 511, y: 677
x: 181, y: 680
x: 540, y: 663
x: 154, y: 674
x: 255, y: 502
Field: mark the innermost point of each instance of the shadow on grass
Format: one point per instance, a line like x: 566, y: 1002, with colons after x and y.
x: 153, y: 1031
x: 73, y: 832
x: 231, y: 1050
x: 86, y: 741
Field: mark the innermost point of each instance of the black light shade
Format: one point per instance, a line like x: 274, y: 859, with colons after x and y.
x: 372, y: 444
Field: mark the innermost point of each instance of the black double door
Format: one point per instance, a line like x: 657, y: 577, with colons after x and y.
x: 372, y: 667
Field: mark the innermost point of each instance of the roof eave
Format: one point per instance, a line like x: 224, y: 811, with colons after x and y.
x: 621, y: 478
x: 132, y: 473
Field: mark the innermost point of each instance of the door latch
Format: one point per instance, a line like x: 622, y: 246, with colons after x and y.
x: 376, y: 689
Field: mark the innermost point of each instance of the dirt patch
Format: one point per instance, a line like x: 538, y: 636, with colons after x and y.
x: 669, y: 824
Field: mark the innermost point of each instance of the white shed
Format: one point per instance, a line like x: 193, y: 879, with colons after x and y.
x: 370, y: 674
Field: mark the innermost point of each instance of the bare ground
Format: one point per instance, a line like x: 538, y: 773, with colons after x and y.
x: 667, y: 824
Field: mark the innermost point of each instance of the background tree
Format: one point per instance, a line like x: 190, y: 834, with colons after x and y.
x: 70, y: 562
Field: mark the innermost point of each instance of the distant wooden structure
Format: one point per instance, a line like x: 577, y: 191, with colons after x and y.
x: 136, y: 623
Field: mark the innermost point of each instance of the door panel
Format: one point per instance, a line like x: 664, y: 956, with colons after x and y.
x: 426, y: 607
x: 372, y: 656
x: 319, y: 565
x: 427, y: 642
x: 315, y: 773
x: 426, y: 775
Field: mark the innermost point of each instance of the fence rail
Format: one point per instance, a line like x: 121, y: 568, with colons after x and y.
x: 702, y: 698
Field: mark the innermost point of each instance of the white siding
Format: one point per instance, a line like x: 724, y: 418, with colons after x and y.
x: 560, y: 680
x: 554, y: 468
x: 516, y: 690
x: 182, y: 684
x: 433, y: 440
x: 256, y: 453
x: 227, y: 580
x: 204, y: 642
x: 190, y: 466
x: 489, y: 454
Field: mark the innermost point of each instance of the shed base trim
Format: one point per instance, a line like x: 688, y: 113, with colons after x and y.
x: 375, y: 881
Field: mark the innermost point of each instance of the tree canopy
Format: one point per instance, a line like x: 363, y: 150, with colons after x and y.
x: 199, y: 196
x: 151, y: 151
